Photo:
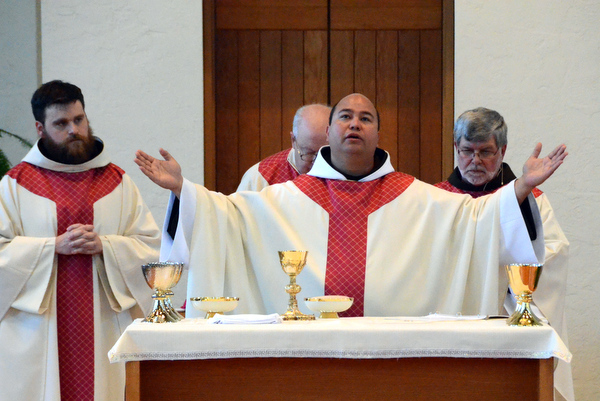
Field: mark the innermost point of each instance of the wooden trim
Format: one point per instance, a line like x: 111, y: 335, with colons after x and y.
x: 417, y: 379
x: 447, y: 88
x: 283, y: 15
x: 208, y: 29
x: 546, y: 379
x: 132, y: 381
x: 367, y: 15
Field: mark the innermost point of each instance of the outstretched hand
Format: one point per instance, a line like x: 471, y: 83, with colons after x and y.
x: 165, y: 173
x: 537, y: 170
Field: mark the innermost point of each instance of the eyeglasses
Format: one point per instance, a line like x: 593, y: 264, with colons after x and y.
x: 307, y: 157
x: 483, y: 154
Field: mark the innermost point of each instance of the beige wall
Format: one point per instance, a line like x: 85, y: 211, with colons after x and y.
x: 139, y: 64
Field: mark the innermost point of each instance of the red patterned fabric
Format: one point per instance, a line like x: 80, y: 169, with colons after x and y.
x: 349, y: 204
x: 74, y: 195
x: 445, y: 185
x: 276, y: 169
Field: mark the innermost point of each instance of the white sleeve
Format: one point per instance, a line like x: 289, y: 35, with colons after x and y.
x: 252, y: 180
x: 515, y: 244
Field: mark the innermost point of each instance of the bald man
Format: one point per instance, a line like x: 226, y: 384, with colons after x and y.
x: 380, y: 236
x: 308, y: 135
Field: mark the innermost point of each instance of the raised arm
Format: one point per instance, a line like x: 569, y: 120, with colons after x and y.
x: 165, y: 173
x: 537, y: 170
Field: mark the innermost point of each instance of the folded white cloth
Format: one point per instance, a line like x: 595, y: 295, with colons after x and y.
x: 245, y: 319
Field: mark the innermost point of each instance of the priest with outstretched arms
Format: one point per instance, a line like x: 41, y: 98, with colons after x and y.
x: 398, y: 246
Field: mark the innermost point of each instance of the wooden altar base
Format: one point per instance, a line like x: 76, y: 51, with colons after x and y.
x: 324, y: 379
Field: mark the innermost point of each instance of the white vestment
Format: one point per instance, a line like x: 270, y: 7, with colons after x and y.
x: 28, y: 267
x: 253, y: 180
x: 550, y: 294
x: 427, y: 250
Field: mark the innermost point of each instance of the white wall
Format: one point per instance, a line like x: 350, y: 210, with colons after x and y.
x: 538, y: 64
x: 139, y: 64
x: 18, y: 73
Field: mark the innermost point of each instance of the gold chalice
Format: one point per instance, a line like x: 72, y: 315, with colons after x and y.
x: 523, y: 279
x: 292, y: 263
x: 161, y: 277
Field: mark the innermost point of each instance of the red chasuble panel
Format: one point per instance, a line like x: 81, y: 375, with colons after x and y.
x: 349, y: 204
x: 74, y: 195
x: 275, y: 169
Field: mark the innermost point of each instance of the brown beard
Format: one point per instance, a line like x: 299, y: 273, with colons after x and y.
x: 75, y: 150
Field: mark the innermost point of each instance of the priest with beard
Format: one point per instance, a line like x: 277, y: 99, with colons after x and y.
x: 480, y: 140
x: 74, y: 232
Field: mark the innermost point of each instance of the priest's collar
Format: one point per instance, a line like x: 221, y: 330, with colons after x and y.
x: 324, y: 169
x: 504, y: 176
x: 37, y: 158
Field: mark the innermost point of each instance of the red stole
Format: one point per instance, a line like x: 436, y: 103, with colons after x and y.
x: 74, y: 195
x: 276, y: 169
x: 349, y: 204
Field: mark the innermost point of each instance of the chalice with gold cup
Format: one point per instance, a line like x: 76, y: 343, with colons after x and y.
x: 524, y: 279
x: 161, y: 277
x: 292, y: 263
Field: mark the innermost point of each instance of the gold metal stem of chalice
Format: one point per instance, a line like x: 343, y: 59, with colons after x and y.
x: 161, y: 277
x: 292, y: 263
x: 524, y: 279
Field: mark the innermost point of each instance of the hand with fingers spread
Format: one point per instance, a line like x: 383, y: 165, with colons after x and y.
x: 537, y: 170
x: 165, y: 173
x: 78, y: 239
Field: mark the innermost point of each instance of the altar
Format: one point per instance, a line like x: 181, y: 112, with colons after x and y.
x: 364, y: 358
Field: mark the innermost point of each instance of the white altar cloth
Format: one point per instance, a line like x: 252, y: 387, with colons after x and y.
x: 360, y: 338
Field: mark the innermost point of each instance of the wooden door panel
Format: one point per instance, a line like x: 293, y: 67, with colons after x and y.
x: 271, y: 14
x: 341, y: 77
x: 272, y: 56
x: 292, y: 44
x: 387, y: 91
x: 365, y: 64
x: 409, y: 145
x: 249, y: 97
x: 227, y: 152
x: 315, y: 67
x: 431, y: 106
x: 386, y: 14
x: 270, y: 93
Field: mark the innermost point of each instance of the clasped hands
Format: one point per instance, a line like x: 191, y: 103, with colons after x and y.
x: 78, y: 239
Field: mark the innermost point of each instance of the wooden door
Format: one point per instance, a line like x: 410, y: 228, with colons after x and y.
x: 266, y: 58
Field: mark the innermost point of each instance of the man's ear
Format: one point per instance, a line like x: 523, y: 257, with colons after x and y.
x: 503, y: 150
x: 39, y: 127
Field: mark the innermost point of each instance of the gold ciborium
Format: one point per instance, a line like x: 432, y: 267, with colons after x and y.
x: 292, y: 263
x: 161, y: 277
x: 524, y: 279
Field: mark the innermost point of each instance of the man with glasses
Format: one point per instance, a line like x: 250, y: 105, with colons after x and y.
x: 382, y: 237
x: 308, y: 135
x: 480, y: 140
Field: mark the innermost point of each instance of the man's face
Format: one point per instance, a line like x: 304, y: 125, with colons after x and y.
x: 479, y: 162
x: 66, y: 134
x: 353, y: 130
x: 311, y: 136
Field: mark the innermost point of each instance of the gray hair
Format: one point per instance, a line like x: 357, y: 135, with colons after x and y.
x: 299, y: 115
x: 479, y: 124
